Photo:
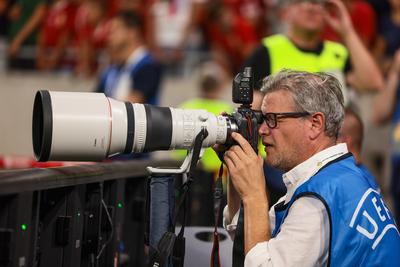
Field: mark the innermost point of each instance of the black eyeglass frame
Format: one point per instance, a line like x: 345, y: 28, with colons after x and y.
x: 281, y: 115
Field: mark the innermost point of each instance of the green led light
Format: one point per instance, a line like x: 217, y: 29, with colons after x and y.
x: 79, y: 214
x: 119, y: 205
x: 23, y: 227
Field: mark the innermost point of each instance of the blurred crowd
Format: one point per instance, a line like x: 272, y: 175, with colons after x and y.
x: 89, y: 38
x: 73, y: 34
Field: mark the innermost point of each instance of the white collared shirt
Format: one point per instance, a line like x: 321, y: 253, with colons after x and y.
x: 303, y: 239
x: 124, y: 85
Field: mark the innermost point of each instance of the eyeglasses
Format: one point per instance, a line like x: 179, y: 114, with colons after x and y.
x: 271, y: 119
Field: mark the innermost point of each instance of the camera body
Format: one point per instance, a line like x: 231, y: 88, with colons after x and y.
x: 245, y: 119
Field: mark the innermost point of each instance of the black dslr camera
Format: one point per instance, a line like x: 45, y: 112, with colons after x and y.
x: 244, y: 120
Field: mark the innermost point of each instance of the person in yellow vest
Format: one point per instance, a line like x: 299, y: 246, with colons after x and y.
x: 302, y: 48
x: 211, y: 86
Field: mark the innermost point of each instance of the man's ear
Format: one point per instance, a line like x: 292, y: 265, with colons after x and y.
x: 317, y: 125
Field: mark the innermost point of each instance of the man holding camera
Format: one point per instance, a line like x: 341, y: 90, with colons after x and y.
x: 330, y: 215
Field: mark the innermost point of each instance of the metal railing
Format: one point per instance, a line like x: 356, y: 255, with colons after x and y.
x: 86, y: 215
x: 17, y: 181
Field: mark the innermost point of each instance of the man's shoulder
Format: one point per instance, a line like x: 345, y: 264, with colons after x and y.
x: 110, y: 70
x: 335, y: 46
x: 275, y: 39
x: 340, y: 175
x: 344, y: 165
x: 147, y: 60
x: 146, y: 65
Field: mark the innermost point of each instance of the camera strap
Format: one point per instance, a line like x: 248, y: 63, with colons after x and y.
x: 218, y: 194
x: 238, y: 255
x: 170, y: 243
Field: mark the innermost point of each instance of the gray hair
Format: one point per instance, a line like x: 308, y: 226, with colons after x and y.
x: 312, y: 92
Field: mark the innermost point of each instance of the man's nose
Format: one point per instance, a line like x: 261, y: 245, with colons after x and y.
x: 264, y: 129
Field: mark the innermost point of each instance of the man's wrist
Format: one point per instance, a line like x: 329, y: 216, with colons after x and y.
x: 258, y: 200
x: 348, y: 34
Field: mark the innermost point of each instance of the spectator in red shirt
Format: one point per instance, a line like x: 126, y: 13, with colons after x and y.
x: 232, y: 38
x: 91, y: 29
x: 364, y: 20
x: 253, y: 11
x: 55, y: 34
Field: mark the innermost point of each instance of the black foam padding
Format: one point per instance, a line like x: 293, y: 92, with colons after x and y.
x: 159, y: 128
x: 131, y: 128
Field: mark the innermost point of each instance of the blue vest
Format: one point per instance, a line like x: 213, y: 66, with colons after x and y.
x: 109, y: 79
x: 362, y: 230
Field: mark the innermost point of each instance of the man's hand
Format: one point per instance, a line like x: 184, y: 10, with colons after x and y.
x: 246, y: 170
x: 366, y: 75
x: 247, y: 175
x: 340, y: 20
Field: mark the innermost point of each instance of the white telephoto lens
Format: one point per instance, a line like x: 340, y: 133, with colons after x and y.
x: 89, y: 127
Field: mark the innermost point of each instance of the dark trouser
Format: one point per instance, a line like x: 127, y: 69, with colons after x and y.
x: 161, y: 208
